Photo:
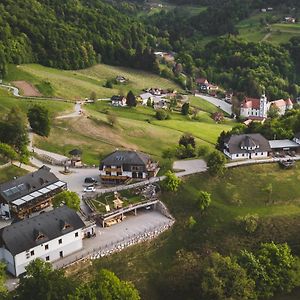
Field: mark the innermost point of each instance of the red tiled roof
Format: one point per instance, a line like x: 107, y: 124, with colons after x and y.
x: 251, y: 103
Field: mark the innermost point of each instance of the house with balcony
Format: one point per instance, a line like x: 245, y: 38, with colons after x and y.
x: 49, y: 236
x: 30, y: 193
x: 122, y: 165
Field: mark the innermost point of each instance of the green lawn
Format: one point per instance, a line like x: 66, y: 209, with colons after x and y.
x: 7, y: 101
x: 80, y: 83
x: 203, y: 105
x: 252, y: 30
x: 10, y: 172
x: 137, y: 128
x: 238, y: 193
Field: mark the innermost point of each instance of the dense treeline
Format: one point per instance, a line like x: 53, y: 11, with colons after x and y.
x: 70, y: 35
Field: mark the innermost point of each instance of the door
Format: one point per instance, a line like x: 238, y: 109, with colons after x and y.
x: 61, y: 253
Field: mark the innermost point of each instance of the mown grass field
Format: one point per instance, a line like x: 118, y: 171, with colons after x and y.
x: 137, y: 128
x: 7, y: 101
x: 238, y: 193
x: 80, y: 84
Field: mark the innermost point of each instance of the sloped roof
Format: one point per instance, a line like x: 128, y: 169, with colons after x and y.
x: 201, y: 80
x: 121, y: 157
x: 27, y: 184
x: 251, y: 103
x: 236, y: 141
x: 279, y: 103
x: 27, y: 234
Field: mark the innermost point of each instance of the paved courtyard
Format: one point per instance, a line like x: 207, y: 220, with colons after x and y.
x: 107, y: 238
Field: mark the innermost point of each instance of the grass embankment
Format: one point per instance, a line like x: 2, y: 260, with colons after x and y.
x: 79, y: 84
x: 10, y: 172
x: 238, y: 193
x: 137, y: 128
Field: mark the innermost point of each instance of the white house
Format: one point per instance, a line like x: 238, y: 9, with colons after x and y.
x: 246, y: 146
x: 145, y: 96
x: 122, y: 165
x: 48, y: 236
x: 118, y: 101
x: 258, y: 108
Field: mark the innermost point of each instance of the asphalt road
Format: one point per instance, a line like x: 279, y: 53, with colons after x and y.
x: 217, y: 102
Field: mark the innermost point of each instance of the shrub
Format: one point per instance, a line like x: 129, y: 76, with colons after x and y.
x: 161, y: 115
x: 248, y: 223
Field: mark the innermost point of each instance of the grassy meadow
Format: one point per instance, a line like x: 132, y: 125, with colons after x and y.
x: 136, y: 128
x: 238, y: 193
x: 252, y: 30
x: 79, y: 84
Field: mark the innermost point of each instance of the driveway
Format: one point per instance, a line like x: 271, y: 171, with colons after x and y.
x: 187, y: 167
x: 217, y: 102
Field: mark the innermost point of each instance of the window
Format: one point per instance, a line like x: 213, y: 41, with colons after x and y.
x: 119, y: 173
x: 46, y: 247
x: 76, y: 234
x: 237, y: 155
x: 27, y: 254
x: 31, y: 252
x: 108, y: 173
x: 47, y: 258
x: 60, y: 241
x: 61, y: 254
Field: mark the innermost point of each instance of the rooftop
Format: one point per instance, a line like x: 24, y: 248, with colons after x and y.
x: 274, y: 144
x: 27, y: 234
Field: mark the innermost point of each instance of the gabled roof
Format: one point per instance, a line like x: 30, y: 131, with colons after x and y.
x: 27, y: 234
x: 117, y: 98
x: 201, y: 81
x: 236, y: 142
x: 27, y: 184
x: 251, y: 103
x: 121, y: 157
x: 278, y: 103
x: 297, y: 135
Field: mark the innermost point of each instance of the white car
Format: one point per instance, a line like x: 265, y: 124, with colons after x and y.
x: 89, y: 189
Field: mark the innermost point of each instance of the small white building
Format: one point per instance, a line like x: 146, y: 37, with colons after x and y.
x: 118, y: 101
x: 48, y: 236
x: 297, y: 138
x: 246, y: 146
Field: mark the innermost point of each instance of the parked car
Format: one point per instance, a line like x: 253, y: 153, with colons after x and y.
x: 90, y: 180
x: 89, y: 189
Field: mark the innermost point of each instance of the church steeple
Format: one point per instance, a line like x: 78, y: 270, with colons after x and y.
x: 263, y: 105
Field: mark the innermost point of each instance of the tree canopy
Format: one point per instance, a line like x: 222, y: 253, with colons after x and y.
x: 39, y: 119
x: 69, y: 198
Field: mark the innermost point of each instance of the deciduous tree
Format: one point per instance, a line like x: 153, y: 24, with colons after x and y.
x: 71, y: 199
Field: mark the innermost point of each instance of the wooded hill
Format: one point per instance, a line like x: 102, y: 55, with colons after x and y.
x: 70, y: 35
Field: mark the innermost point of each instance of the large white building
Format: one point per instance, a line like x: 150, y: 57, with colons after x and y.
x: 246, y: 146
x: 48, y: 236
x: 258, y: 108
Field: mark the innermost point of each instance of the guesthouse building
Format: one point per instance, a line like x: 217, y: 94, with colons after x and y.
x: 29, y: 193
x: 246, y: 146
x: 122, y: 165
x: 49, y: 236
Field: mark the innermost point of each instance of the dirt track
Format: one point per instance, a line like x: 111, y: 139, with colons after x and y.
x: 27, y: 88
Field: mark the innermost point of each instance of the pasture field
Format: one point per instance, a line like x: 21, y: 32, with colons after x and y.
x: 79, y: 84
x: 7, y: 101
x: 136, y: 128
x: 239, y: 192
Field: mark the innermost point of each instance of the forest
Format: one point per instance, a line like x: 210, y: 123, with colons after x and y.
x: 70, y: 35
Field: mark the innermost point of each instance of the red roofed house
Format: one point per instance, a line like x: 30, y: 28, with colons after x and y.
x: 282, y: 105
